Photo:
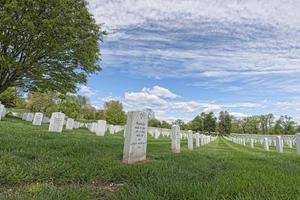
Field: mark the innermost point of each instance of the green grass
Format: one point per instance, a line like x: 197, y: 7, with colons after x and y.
x: 35, y: 164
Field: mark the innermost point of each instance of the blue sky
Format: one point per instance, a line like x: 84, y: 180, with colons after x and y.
x: 182, y: 57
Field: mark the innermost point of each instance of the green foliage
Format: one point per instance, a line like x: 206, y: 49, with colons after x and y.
x: 224, y: 123
x: 36, y: 164
x: 181, y: 124
x: 114, y: 113
x: 44, y: 44
x: 42, y: 102
x: 165, y: 124
x: 154, y: 123
x: 8, y: 97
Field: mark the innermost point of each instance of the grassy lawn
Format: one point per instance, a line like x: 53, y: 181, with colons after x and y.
x: 35, y: 164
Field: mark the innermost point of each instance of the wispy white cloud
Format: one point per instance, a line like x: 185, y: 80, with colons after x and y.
x: 86, y: 91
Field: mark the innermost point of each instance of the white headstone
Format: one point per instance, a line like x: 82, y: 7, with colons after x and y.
x: 37, y: 119
x: 298, y: 143
x: 279, y: 144
x: 266, y: 144
x: 197, y: 138
x: 2, y: 109
x: 135, y: 144
x: 176, y: 139
x: 190, y: 140
x: 57, y: 122
x: 29, y: 117
x: 252, y: 143
x: 101, y: 128
x: 70, y: 124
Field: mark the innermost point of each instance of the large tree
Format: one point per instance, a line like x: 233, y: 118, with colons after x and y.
x: 224, y: 123
x: 46, y: 44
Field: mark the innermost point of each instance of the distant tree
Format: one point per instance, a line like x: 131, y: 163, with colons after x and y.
x: 165, y: 124
x: 41, y: 102
x: 49, y: 45
x: 181, y: 124
x: 196, y: 124
x: 288, y: 125
x: 278, y: 129
x: 114, y: 113
x: 154, y: 123
x: 209, y: 122
x: 224, y: 123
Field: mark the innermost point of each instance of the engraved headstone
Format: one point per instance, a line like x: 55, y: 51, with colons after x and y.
x: 135, y: 144
x: 56, y: 122
x: 37, y: 119
x: 176, y: 139
x: 70, y: 124
x: 29, y: 117
x: 101, y: 128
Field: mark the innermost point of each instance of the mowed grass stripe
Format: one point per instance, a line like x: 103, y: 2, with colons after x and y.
x: 35, y: 164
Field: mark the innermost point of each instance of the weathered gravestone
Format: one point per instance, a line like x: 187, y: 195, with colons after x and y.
x: 176, y: 139
x: 190, y: 140
x: 29, y: 117
x: 135, y: 144
x: 70, y: 124
x: 298, y: 143
x: 56, y: 122
x: 101, y: 128
x: 279, y: 144
x: 37, y: 119
x: 266, y: 144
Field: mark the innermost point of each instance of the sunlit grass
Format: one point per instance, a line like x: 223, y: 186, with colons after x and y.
x: 35, y: 164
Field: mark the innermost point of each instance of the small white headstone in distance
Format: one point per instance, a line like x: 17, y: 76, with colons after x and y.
x: 298, y: 143
x: 252, y: 143
x: 266, y: 144
x: 57, y: 122
x: 37, y: 119
x: 279, y: 144
x: 197, y: 138
x: 101, y: 128
x: 70, y: 124
x: 176, y: 139
x: 135, y: 145
x: 190, y: 140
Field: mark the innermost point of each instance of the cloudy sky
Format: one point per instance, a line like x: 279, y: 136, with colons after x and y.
x: 182, y: 57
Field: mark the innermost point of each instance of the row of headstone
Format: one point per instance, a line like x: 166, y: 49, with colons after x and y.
x: 136, y: 130
x: 277, y: 141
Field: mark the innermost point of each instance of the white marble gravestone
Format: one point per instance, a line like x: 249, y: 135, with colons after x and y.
x: 2, y: 109
x: 37, y: 119
x: 279, y: 144
x: 29, y: 117
x: 190, y: 140
x: 266, y: 144
x: 56, y: 122
x: 70, y: 124
x: 298, y: 143
x: 101, y: 128
x: 252, y: 143
x: 135, y: 144
x: 176, y: 139
x: 197, y: 138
